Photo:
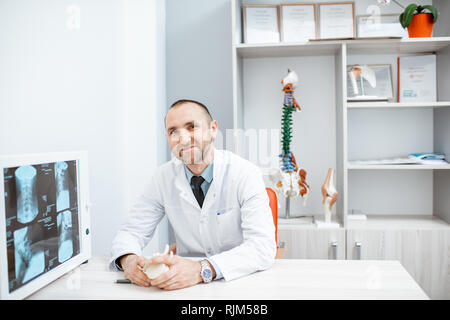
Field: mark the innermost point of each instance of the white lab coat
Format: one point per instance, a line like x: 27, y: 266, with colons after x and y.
x: 234, y: 228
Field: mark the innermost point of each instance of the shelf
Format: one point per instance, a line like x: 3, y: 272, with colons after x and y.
x: 274, y: 50
x: 397, y: 105
x: 398, y: 222
x: 398, y: 167
x: 302, y: 221
x: 305, y: 223
x: 331, y: 47
x: 398, y: 46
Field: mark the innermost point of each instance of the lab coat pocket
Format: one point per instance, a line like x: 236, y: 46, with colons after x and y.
x: 229, y: 227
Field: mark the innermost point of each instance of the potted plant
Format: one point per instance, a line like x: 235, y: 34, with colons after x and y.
x: 419, y: 20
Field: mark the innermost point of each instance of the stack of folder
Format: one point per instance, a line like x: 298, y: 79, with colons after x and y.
x: 428, y: 158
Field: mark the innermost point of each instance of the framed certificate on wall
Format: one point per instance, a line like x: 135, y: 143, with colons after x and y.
x: 298, y: 22
x: 417, y: 78
x: 384, y: 25
x: 336, y: 20
x: 261, y: 24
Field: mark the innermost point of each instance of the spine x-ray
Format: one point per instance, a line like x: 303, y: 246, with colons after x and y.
x: 62, y: 186
x: 29, y: 256
x: 65, y: 241
x: 27, y: 208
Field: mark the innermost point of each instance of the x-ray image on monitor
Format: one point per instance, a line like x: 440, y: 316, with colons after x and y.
x: 65, y: 243
x: 42, y: 218
x: 27, y: 207
x: 28, y: 255
x: 62, y: 186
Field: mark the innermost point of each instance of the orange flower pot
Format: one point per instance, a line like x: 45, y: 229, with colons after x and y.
x: 421, y: 25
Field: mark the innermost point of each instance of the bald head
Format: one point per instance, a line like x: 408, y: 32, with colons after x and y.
x: 183, y: 102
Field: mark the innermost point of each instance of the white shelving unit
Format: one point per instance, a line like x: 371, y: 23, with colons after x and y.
x: 331, y: 132
x: 424, y: 105
x: 399, y: 167
x: 257, y: 64
x: 382, y: 46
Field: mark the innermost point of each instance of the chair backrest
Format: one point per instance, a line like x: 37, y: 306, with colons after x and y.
x: 273, y: 203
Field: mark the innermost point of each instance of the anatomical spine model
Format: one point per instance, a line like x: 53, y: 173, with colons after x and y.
x: 330, y: 195
x: 289, y: 180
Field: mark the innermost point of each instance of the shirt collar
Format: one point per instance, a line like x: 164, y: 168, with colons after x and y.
x: 207, y: 174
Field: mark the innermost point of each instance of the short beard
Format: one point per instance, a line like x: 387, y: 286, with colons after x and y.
x: 197, y: 157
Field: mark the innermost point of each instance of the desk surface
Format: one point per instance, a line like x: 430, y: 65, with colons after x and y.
x: 287, y: 279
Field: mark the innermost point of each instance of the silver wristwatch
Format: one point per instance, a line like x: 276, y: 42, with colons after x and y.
x: 206, y: 271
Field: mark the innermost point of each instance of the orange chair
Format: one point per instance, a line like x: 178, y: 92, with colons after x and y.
x: 273, y: 203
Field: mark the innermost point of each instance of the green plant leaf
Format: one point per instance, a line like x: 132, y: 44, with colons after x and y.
x: 432, y: 10
x: 407, y: 15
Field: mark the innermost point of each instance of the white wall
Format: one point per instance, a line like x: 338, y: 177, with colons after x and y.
x: 199, y: 61
x: 93, y: 81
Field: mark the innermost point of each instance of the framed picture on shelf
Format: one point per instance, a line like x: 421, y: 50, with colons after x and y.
x: 337, y: 20
x: 261, y: 24
x: 298, y: 22
x: 369, y: 82
x: 385, y: 25
x: 417, y: 78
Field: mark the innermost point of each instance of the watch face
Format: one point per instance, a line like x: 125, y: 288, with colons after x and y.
x: 207, y: 273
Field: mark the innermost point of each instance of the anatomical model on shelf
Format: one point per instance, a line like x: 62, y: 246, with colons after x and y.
x: 155, y: 270
x: 290, y: 179
x: 329, y: 194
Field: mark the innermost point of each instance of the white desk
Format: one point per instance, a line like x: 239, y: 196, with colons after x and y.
x: 286, y: 280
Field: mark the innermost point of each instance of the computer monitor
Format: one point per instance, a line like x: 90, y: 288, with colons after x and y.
x: 44, y: 219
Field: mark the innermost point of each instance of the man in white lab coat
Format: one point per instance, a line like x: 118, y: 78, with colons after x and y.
x: 215, y: 201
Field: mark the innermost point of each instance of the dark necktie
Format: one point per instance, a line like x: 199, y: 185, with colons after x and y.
x: 196, y: 182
